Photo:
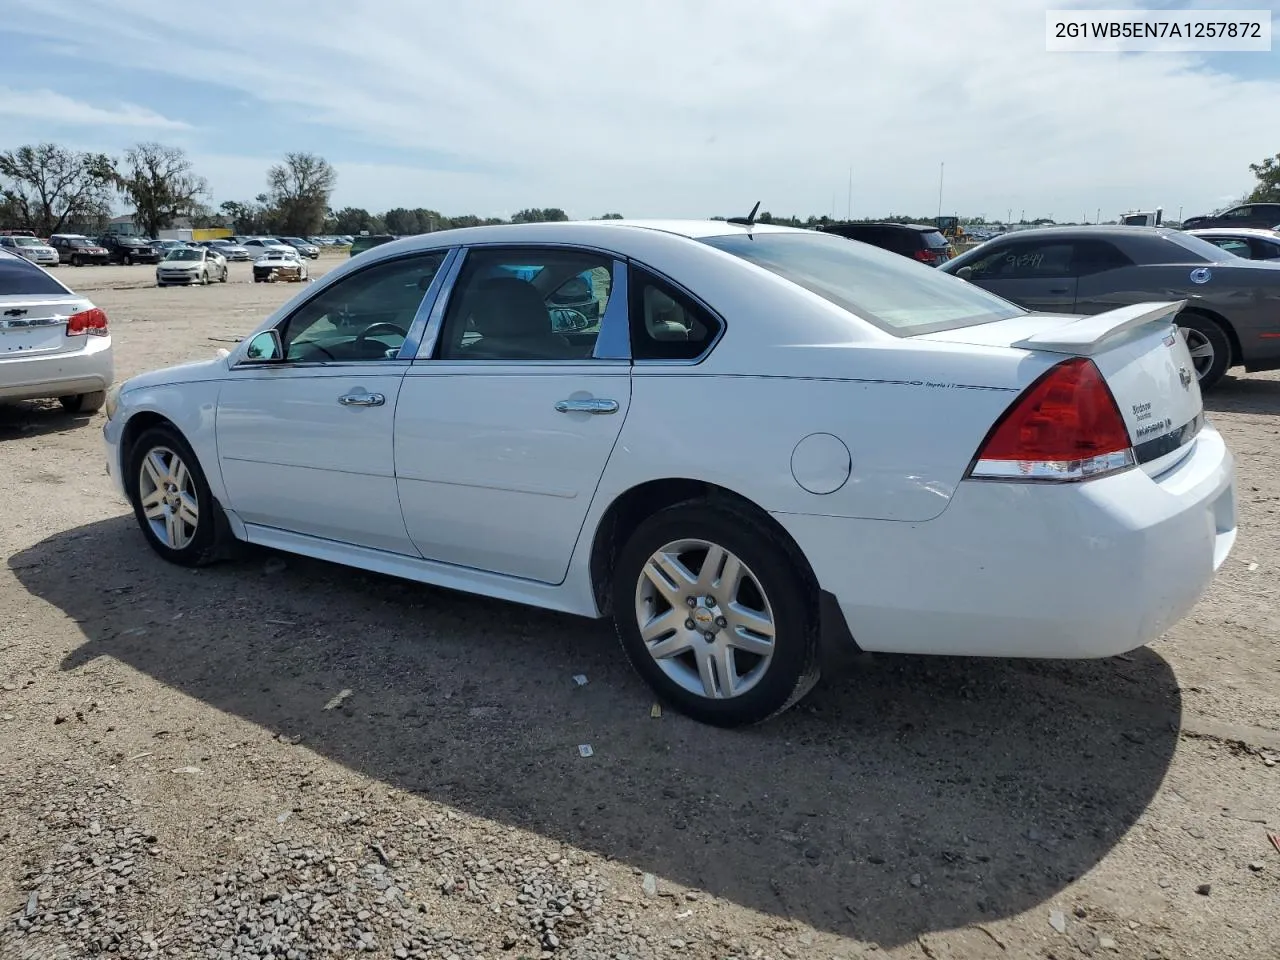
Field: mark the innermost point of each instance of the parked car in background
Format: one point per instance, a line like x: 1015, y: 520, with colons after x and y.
x: 1264, y: 215
x: 369, y: 241
x: 922, y: 242
x: 304, y: 247
x: 279, y: 264
x: 228, y: 249
x: 78, y: 250
x: 187, y: 265
x: 1229, y: 316
x: 1012, y: 470
x: 257, y: 246
x: 164, y: 246
x: 53, y: 343
x: 1252, y: 244
x: 30, y: 248
x: 129, y: 250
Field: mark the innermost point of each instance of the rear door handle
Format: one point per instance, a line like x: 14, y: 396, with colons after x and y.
x: 593, y: 405
x: 1059, y: 290
x: 362, y: 400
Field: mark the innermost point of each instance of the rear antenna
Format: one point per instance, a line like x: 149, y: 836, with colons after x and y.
x: 750, y: 219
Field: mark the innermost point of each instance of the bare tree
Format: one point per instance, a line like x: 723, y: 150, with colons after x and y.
x: 161, y: 185
x: 299, y: 190
x: 49, y: 187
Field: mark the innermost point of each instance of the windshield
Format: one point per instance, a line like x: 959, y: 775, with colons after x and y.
x: 80, y: 242
x: 1199, y: 246
x: 186, y: 253
x: 26, y: 242
x: 895, y: 293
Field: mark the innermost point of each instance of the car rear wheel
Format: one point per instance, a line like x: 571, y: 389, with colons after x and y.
x: 84, y: 402
x: 1209, y: 346
x: 713, y: 613
x: 172, y: 502
x: 223, y: 278
x: 76, y: 261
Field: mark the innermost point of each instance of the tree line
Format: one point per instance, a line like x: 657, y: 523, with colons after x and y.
x: 49, y: 188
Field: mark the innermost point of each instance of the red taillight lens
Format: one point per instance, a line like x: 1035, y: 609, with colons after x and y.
x: 925, y: 256
x: 92, y: 322
x: 1065, y: 426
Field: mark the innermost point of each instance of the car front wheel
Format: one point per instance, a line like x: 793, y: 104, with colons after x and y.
x: 713, y: 613
x: 171, y: 499
x: 1209, y: 346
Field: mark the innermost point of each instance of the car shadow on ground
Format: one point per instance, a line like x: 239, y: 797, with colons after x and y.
x: 37, y: 418
x: 908, y: 796
x: 1244, y: 394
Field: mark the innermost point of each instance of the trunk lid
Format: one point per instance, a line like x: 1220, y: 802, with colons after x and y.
x: 1139, y: 352
x: 31, y: 325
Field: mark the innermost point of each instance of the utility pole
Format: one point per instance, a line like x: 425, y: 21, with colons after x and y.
x: 848, y: 210
x: 941, y: 169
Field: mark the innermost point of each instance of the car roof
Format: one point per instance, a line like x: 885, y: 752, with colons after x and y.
x: 1091, y: 230
x: 918, y: 227
x: 1236, y: 232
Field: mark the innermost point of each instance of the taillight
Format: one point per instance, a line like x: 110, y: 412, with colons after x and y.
x: 1065, y: 426
x: 925, y: 256
x: 92, y: 322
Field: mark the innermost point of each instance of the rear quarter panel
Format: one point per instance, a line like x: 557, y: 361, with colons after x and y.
x: 911, y: 425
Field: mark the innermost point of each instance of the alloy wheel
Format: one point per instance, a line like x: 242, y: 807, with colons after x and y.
x: 705, y: 619
x: 167, y: 492
x: 1200, y: 348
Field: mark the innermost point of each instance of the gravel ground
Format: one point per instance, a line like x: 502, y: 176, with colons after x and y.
x: 279, y: 757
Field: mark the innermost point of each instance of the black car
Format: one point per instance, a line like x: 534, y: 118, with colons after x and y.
x: 1263, y: 215
x: 128, y: 250
x: 366, y: 242
x: 922, y: 242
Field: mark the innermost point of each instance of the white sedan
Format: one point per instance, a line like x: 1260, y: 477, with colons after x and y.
x: 188, y: 265
x: 769, y: 439
x: 53, y: 343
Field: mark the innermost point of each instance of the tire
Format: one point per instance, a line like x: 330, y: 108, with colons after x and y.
x: 1201, y: 334
x: 770, y: 683
x: 223, y: 278
x: 84, y: 402
x: 204, y: 277
x: 211, y: 540
x: 76, y: 261
x: 128, y: 260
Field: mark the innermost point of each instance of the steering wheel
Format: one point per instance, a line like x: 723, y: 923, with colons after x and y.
x: 570, y: 319
x: 382, y: 327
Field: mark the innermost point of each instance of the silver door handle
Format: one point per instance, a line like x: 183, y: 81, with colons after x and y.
x: 587, y: 406
x: 362, y: 400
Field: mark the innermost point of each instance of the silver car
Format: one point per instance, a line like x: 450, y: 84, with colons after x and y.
x: 31, y: 248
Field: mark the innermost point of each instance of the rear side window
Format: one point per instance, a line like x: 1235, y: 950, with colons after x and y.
x: 20, y: 278
x: 1098, y: 256
x: 665, y: 323
x: 887, y: 290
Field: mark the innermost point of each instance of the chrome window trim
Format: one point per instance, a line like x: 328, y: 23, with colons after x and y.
x: 435, y: 318
x: 403, y: 358
x: 412, y: 341
x: 614, y: 340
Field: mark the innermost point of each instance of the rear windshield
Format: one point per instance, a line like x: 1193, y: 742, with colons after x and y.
x: 936, y: 240
x: 893, y: 292
x: 1197, y: 245
x: 17, y: 277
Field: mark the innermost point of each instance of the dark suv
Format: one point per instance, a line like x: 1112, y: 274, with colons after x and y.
x: 1263, y: 215
x: 129, y: 249
x: 915, y: 240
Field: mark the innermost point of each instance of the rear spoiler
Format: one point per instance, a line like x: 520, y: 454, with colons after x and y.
x: 1086, y: 336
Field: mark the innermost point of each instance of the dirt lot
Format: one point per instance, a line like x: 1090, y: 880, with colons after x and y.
x: 172, y: 783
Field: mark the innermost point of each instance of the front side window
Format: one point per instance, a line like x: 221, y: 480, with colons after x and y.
x: 527, y: 304
x: 883, y: 288
x: 365, y: 316
x: 1025, y: 261
x: 1239, y: 213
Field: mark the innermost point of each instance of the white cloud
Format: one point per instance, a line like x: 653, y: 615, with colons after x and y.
x: 54, y: 108
x: 654, y: 107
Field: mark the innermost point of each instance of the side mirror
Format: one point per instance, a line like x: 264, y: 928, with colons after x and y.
x: 265, y: 348
x: 965, y: 273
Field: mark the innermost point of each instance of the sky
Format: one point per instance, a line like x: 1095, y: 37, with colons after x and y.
x: 650, y: 108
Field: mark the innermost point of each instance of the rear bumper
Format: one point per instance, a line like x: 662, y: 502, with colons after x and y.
x: 1020, y: 570
x: 59, y: 375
